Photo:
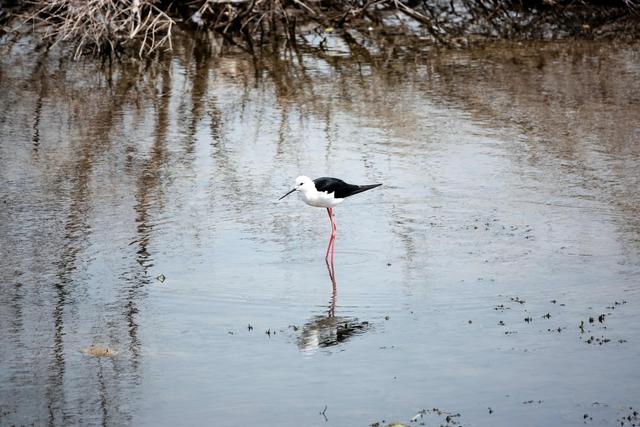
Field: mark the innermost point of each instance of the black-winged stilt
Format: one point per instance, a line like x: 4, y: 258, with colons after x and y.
x: 327, y: 192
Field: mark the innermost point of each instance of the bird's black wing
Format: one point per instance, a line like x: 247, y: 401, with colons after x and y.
x: 338, y: 187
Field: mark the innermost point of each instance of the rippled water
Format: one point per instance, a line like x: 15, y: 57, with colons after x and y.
x: 138, y: 211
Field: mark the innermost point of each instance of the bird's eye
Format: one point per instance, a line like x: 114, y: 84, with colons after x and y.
x: 300, y: 183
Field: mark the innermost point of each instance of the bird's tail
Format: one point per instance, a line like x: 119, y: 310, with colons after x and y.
x: 362, y: 188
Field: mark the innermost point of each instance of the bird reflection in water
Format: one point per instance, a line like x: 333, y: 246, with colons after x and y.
x: 327, y: 329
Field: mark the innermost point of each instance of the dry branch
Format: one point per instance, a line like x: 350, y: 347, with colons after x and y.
x: 103, y: 26
x: 144, y: 26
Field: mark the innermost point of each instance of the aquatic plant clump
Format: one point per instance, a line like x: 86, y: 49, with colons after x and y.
x: 144, y: 26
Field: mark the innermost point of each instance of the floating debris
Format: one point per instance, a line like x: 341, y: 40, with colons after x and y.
x: 448, y: 418
x: 324, y: 413
x: 598, y: 340
x: 98, y: 351
x: 418, y: 416
x: 631, y: 418
x: 161, y: 278
x: 615, y: 304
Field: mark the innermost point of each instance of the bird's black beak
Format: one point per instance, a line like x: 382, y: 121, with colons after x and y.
x: 287, y: 194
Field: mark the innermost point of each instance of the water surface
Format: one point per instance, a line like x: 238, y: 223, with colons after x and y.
x: 138, y: 211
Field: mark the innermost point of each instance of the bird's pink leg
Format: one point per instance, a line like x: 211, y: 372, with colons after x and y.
x: 326, y: 257
x: 333, y: 234
x: 332, y: 238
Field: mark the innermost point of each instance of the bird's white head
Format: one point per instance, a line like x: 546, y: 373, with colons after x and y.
x: 304, y: 184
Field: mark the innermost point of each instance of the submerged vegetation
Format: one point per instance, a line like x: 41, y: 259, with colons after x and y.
x: 143, y: 26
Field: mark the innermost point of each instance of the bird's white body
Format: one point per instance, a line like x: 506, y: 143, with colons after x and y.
x: 311, y: 196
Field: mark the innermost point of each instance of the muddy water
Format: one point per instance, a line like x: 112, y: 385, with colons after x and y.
x: 149, y: 275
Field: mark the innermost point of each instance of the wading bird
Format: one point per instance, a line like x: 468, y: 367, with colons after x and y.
x: 327, y: 192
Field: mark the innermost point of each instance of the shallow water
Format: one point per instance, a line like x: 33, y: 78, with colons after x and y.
x: 139, y: 212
